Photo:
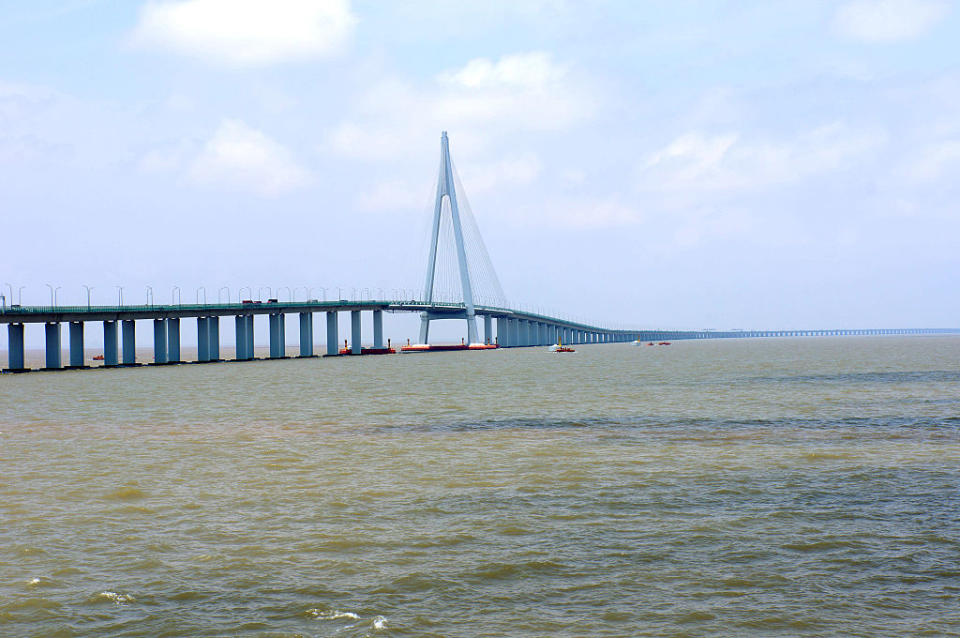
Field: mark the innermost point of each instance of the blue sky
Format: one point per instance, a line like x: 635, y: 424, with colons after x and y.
x: 675, y: 164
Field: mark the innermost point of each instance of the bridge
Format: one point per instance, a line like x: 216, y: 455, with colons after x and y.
x: 454, y: 239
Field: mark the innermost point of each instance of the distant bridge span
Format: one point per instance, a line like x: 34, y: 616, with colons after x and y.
x: 453, y: 223
x: 507, y: 327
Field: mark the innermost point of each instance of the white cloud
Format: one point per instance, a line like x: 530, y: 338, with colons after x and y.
x: 477, y: 103
x: 243, y: 158
x: 696, y: 162
x: 246, y: 33
x: 888, y: 20
x: 934, y: 162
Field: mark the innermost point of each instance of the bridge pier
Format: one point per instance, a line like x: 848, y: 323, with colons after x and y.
x: 173, y: 340
x: 203, y: 339
x: 241, y: 340
x: 159, y: 341
x: 15, y: 346
x: 110, y: 343
x: 306, y: 334
x: 355, y: 332
x: 277, y: 336
x: 488, y: 329
x: 377, y: 328
x: 128, y: 330
x: 503, y: 338
x: 52, y: 337
x: 333, y: 334
x: 213, y: 343
x: 76, y: 344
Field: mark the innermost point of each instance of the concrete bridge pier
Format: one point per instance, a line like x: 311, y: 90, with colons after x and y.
x: 306, y: 334
x: 52, y: 335
x: 355, y: 332
x: 159, y: 341
x: 503, y: 337
x: 110, y: 343
x: 129, y: 333
x: 333, y: 334
x: 487, y: 329
x: 377, y: 328
x: 213, y: 343
x: 173, y: 340
x: 76, y: 344
x: 203, y: 339
x: 15, y: 346
x: 277, y: 336
x: 241, y: 329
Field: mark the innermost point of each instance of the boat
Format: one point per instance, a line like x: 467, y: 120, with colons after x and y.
x: 559, y: 347
x: 447, y: 347
x: 346, y: 350
x: 98, y: 357
x: 663, y: 343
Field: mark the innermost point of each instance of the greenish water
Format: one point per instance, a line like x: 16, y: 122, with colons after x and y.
x: 782, y: 487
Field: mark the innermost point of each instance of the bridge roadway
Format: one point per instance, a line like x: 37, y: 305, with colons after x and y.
x: 515, y: 328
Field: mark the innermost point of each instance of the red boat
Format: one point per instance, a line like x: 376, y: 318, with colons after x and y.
x: 346, y: 350
x: 425, y: 347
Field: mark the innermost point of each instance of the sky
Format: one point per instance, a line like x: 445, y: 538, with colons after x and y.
x: 649, y: 164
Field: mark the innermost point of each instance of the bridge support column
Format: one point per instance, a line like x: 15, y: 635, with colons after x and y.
x: 15, y: 346
x: 110, y: 343
x: 52, y: 334
x: 203, y: 339
x: 306, y: 334
x: 250, y: 348
x: 213, y: 343
x: 128, y: 330
x: 377, y: 328
x: 276, y: 336
x: 76, y: 344
x: 503, y: 338
x: 159, y: 341
x: 487, y: 329
x: 241, y: 322
x: 355, y: 332
x: 333, y: 334
x: 173, y: 340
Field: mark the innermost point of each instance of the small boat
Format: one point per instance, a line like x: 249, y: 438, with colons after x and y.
x: 559, y: 347
x: 98, y: 357
x: 664, y: 343
x: 363, y: 350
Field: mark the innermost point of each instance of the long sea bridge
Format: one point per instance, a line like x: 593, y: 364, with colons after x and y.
x: 505, y: 327
x: 457, y: 262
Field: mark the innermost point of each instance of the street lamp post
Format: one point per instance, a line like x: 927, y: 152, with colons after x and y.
x: 176, y: 291
x: 119, y: 296
x: 222, y: 288
x: 204, y: 295
x: 149, y: 295
x: 289, y: 292
x: 89, y: 288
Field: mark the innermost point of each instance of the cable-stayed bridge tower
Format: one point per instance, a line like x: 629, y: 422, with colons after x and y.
x: 471, y: 268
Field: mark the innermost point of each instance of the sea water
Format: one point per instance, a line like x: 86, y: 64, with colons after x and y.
x: 768, y: 487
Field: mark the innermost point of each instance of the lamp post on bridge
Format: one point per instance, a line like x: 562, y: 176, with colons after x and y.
x: 53, y: 295
x: 221, y: 289
x: 89, y: 288
x: 176, y: 292
x: 119, y: 296
x: 289, y: 292
x: 149, y: 295
x: 204, y: 295
x: 240, y: 293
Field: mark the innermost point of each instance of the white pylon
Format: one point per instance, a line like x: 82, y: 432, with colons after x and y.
x: 446, y: 188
